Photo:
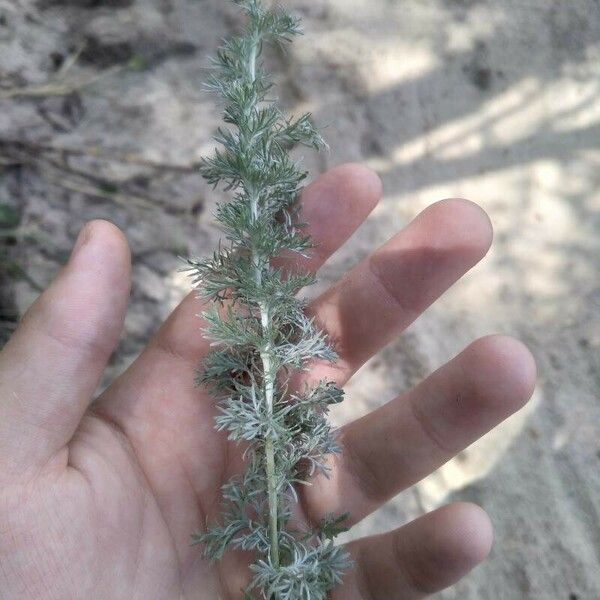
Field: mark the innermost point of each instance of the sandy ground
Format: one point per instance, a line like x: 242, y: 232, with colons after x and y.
x: 496, y: 101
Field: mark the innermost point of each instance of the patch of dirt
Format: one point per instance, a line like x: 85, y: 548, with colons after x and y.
x: 102, y: 115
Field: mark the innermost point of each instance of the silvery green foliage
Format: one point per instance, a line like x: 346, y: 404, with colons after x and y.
x: 260, y: 332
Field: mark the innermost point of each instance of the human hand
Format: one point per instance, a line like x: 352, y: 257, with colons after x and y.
x: 99, y: 500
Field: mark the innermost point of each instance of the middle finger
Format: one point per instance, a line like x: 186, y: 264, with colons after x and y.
x: 376, y: 300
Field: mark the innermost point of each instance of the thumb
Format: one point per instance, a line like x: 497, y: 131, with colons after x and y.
x: 52, y: 364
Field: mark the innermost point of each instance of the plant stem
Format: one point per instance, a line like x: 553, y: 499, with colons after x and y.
x: 268, y: 389
x: 269, y: 447
x: 265, y: 336
x: 268, y: 376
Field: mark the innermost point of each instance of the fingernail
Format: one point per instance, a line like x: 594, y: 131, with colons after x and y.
x: 82, y: 239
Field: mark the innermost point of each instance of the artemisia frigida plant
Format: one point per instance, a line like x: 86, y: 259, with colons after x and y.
x: 259, y: 331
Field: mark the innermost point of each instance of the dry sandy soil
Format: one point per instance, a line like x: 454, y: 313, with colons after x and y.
x: 497, y: 101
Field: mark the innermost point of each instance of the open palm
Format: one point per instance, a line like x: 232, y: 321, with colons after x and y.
x: 99, y: 500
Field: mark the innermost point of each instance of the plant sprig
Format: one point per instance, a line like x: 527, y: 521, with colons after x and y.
x: 259, y: 329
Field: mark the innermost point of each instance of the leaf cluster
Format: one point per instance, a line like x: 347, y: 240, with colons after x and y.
x: 259, y: 331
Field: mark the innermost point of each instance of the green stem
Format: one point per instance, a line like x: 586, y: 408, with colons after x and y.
x: 268, y: 377
x: 252, y: 61
x: 268, y: 394
x: 273, y: 504
x: 268, y: 391
x: 269, y: 447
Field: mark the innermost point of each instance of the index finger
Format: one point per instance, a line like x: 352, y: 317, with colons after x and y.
x: 333, y: 207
